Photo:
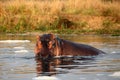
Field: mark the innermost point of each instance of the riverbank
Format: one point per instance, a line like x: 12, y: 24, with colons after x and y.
x: 60, y: 16
x: 63, y: 34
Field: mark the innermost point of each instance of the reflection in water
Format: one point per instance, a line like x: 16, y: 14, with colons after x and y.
x: 60, y: 65
x: 44, y: 67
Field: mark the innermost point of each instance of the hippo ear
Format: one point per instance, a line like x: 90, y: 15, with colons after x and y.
x: 38, y: 37
x: 52, y: 36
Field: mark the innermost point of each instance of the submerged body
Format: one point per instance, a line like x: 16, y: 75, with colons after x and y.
x: 49, y: 46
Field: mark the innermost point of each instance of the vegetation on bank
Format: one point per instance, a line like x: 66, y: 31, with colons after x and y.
x: 60, y: 16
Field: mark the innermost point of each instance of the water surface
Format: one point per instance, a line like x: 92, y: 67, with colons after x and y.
x: 17, y: 60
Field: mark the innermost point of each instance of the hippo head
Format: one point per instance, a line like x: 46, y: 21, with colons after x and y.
x: 45, y: 45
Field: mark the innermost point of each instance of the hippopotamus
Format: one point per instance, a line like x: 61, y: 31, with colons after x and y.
x: 49, y: 45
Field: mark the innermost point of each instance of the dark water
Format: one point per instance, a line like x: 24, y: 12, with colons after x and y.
x: 17, y: 60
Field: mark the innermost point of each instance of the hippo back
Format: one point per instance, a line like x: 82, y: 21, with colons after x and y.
x: 75, y: 49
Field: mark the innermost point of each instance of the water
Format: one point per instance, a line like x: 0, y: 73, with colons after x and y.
x: 17, y: 60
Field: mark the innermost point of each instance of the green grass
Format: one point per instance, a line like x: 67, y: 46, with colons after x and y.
x: 60, y: 16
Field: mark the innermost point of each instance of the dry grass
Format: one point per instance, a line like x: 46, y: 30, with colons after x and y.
x: 30, y: 15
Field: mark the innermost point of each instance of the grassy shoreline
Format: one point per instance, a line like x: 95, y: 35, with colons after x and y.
x: 35, y: 33
x: 60, y: 16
